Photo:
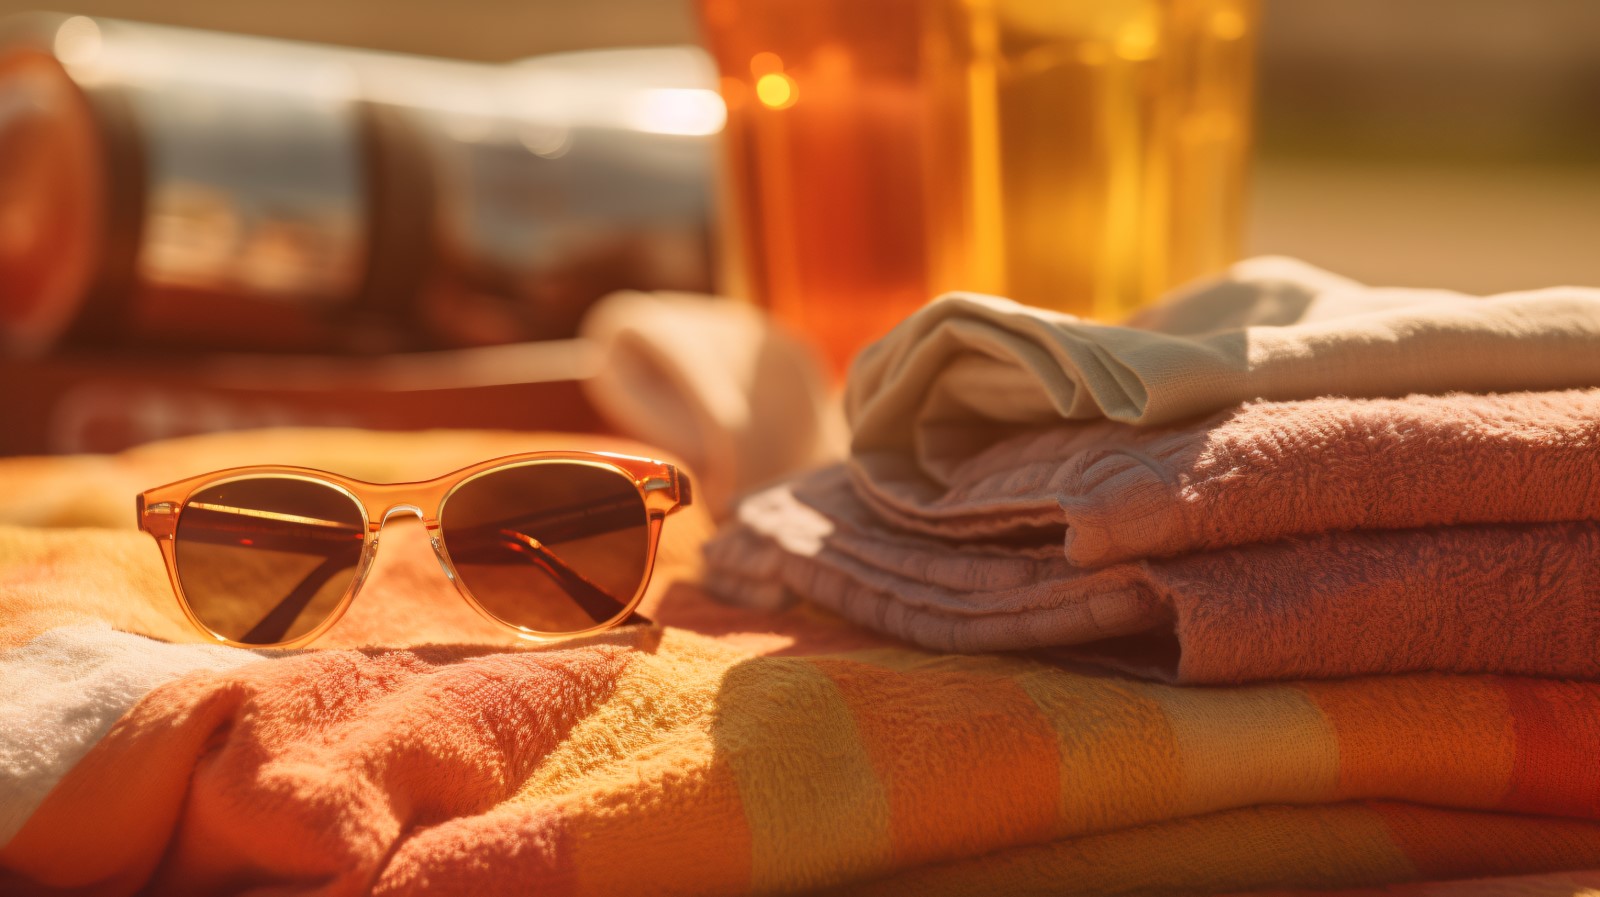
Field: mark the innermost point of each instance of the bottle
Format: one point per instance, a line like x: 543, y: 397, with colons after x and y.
x: 165, y: 189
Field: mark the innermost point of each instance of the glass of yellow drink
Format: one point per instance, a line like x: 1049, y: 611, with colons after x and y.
x: 1082, y: 155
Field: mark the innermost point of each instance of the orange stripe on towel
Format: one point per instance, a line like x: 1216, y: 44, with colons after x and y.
x: 103, y: 829
x: 1558, y: 748
x: 1436, y: 739
x: 690, y: 834
x: 1472, y: 845
x: 967, y: 762
x: 321, y: 767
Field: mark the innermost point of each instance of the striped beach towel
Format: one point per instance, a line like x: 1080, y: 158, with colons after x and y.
x: 416, y: 750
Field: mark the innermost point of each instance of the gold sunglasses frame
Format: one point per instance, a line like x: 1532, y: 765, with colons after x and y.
x: 663, y: 488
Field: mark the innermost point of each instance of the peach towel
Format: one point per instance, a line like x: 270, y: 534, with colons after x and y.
x: 1465, y: 599
x: 1262, y: 471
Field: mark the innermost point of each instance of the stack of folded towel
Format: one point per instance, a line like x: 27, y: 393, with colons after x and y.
x: 1284, y: 474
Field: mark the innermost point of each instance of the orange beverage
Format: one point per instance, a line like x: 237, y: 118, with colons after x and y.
x: 1083, y: 155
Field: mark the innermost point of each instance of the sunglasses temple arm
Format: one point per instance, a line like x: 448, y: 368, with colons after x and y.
x: 573, y: 522
x: 276, y: 623
x: 597, y: 602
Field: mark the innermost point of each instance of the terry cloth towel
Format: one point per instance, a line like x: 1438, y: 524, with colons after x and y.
x: 1002, y: 496
x: 939, y: 386
x: 417, y: 750
x: 715, y: 383
x: 1263, y: 471
x: 1467, y: 599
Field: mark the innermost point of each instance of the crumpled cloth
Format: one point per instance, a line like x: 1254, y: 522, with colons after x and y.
x: 941, y: 385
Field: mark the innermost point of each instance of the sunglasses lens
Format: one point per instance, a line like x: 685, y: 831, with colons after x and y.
x: 264, y: 560
x: 551, y: 546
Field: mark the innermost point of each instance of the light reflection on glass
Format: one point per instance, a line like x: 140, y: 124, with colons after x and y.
x: 691, y: 112
x: 776, y: 90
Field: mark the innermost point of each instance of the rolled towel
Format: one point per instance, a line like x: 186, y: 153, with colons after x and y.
x: 713, y: 382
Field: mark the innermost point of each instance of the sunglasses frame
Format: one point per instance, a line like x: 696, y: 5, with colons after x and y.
x: 662, y: 487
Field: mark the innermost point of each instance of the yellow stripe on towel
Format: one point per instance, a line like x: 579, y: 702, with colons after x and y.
x: 816, y: 809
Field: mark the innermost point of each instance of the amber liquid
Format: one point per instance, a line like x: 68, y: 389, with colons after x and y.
x: 1082, y: 155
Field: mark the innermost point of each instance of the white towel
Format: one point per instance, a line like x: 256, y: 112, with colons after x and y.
x: 713, y: 382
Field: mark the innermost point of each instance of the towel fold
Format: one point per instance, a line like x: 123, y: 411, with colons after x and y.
x: 1261, y: 471
x: 1512, y: 599
x: 1286, y: 475
x: 942, y: 384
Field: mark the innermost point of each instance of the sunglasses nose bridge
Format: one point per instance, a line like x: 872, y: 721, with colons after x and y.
x: 403, y: 508
x: 386, y: 500
x: 400, y: 509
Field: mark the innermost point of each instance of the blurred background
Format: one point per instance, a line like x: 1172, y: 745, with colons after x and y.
x: 1451, y: 143
x: 1440, y: 143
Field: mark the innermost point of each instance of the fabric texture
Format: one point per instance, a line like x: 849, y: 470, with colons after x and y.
x: 419, y: 750
x: 1284, y: 474
x: 1468, y: 599
x: 1262, y: 471
x: 715, y: 383
x: 938, y: 386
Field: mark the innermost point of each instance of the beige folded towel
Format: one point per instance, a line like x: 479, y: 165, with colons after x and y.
x: 942, y: 385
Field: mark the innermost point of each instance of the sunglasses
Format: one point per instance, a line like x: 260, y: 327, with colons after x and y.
x: 548, y: 544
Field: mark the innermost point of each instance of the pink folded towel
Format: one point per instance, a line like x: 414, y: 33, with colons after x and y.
x: 1515, y: 599
x: 1261, y: 471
